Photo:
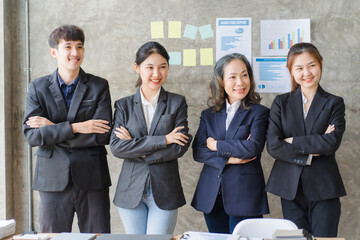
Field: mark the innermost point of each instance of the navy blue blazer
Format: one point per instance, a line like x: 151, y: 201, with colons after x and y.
x: 321, y: 180
x: 242, y: 185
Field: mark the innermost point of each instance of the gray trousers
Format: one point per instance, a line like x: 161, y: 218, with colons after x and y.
x: 92, y: 208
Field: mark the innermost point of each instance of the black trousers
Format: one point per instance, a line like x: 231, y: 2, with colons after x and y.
x: 218, y: 221
x: 320, y: 218
x: 92, y: 207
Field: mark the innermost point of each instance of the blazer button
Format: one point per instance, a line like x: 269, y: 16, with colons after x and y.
x: 219, y: 176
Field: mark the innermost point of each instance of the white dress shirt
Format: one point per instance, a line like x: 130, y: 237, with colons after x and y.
x: 304, y: 101
x: 149, y: 108
x: 230, y: 111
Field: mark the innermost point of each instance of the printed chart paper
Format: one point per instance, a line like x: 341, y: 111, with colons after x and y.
x: 233, y: 35
x: 271, y: 75
x: 277, y: 36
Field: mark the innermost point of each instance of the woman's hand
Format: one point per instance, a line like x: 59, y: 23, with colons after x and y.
x: 176, y: 137
x: 330, y: 129
x: 234, y: 160
x: 122, y: 133
x: 289, y: 140
x: 211, y: 143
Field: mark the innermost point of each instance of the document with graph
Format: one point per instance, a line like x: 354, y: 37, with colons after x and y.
x: 277, y: 36
x: 233, y: 35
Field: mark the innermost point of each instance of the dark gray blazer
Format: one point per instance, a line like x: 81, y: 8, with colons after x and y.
x: 160, y: 165
x: 321, y: 180
x: 61, y: 151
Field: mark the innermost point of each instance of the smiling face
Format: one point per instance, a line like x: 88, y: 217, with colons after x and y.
x: 153, y: 72
x: 306, y: 71
x: 69, y: 55
x: 236, y: 80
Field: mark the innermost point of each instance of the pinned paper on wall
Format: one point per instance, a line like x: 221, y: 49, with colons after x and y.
x: 189, y: 57
x: 157, y: 29
x: 206, y: 31
x: 174, y: 29
x: 190, y: 31
x: 175, y: 58
x: 206, y: 57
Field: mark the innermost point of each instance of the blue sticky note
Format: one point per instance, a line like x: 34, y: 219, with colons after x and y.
x: 175, y: 58
x: 190, y: 31
x: 206, y: 31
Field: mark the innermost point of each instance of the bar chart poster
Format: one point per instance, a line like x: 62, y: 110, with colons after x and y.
x: 271, y: 75
x: 277, y: 36
x: 233, y: 35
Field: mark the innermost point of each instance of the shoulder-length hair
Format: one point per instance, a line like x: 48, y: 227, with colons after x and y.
x: 295, y: 51
x: 217, y: 90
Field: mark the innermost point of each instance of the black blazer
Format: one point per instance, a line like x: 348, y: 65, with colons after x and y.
x: 321, y: 180
x: 160, y: 165
x: 242, y: 185
x: 60, y: 150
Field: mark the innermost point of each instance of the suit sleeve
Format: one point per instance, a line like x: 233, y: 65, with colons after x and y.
x: 201, y: 152
x: 135, y: 148
x: 103, y: 112
x: 47, y: 135
x: 173, y: 151
x: 324, y: 144
x: 276, y: 146
x: 247, y: 148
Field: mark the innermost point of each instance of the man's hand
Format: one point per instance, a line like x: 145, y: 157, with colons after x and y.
x: 38, y: 122
x: 91, y: 126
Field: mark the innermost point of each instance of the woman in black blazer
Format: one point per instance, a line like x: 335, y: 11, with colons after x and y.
x: 229, y: 142
x: 305, y: 129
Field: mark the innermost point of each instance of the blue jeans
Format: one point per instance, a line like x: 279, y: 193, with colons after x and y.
x: 148, y: 218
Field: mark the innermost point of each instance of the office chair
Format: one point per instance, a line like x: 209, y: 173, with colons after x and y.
x: 262, y: 227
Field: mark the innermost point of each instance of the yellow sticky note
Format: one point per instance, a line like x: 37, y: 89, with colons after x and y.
x: 189, y: 57
x: 174, y: 29
x: 206, y: 57
x: 157, y: 29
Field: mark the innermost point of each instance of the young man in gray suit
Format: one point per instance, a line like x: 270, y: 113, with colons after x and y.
x: 68, y: 116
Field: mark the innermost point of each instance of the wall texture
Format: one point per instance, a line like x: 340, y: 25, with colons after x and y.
x: 115, y: 29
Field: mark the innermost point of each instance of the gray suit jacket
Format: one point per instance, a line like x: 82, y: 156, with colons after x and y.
x: 61, y: 151
x: 160, y: 166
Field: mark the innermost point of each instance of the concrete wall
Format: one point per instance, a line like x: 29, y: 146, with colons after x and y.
x: 115, y: 29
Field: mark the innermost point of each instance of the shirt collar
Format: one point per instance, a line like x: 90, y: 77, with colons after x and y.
x: 232, y: 107
x: 61, y: 82
x: 153, y: 102
x: 303, y: 98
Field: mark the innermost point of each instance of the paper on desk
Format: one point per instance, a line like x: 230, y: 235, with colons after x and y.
x: 7, y: 228
x: 32, y: 236
x: 192, y: 235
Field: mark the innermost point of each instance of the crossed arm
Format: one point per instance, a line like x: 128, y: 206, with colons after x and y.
x: 39, y: 129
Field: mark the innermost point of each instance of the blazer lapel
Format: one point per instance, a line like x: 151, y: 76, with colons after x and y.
x: 160, y: 108
x: 316, y: 106
x: 296, y: 108
x: 77, y: 97
x: 236, y: 122
x: 220, y: 121
x: 58, y: 97
x: 139, y: 113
